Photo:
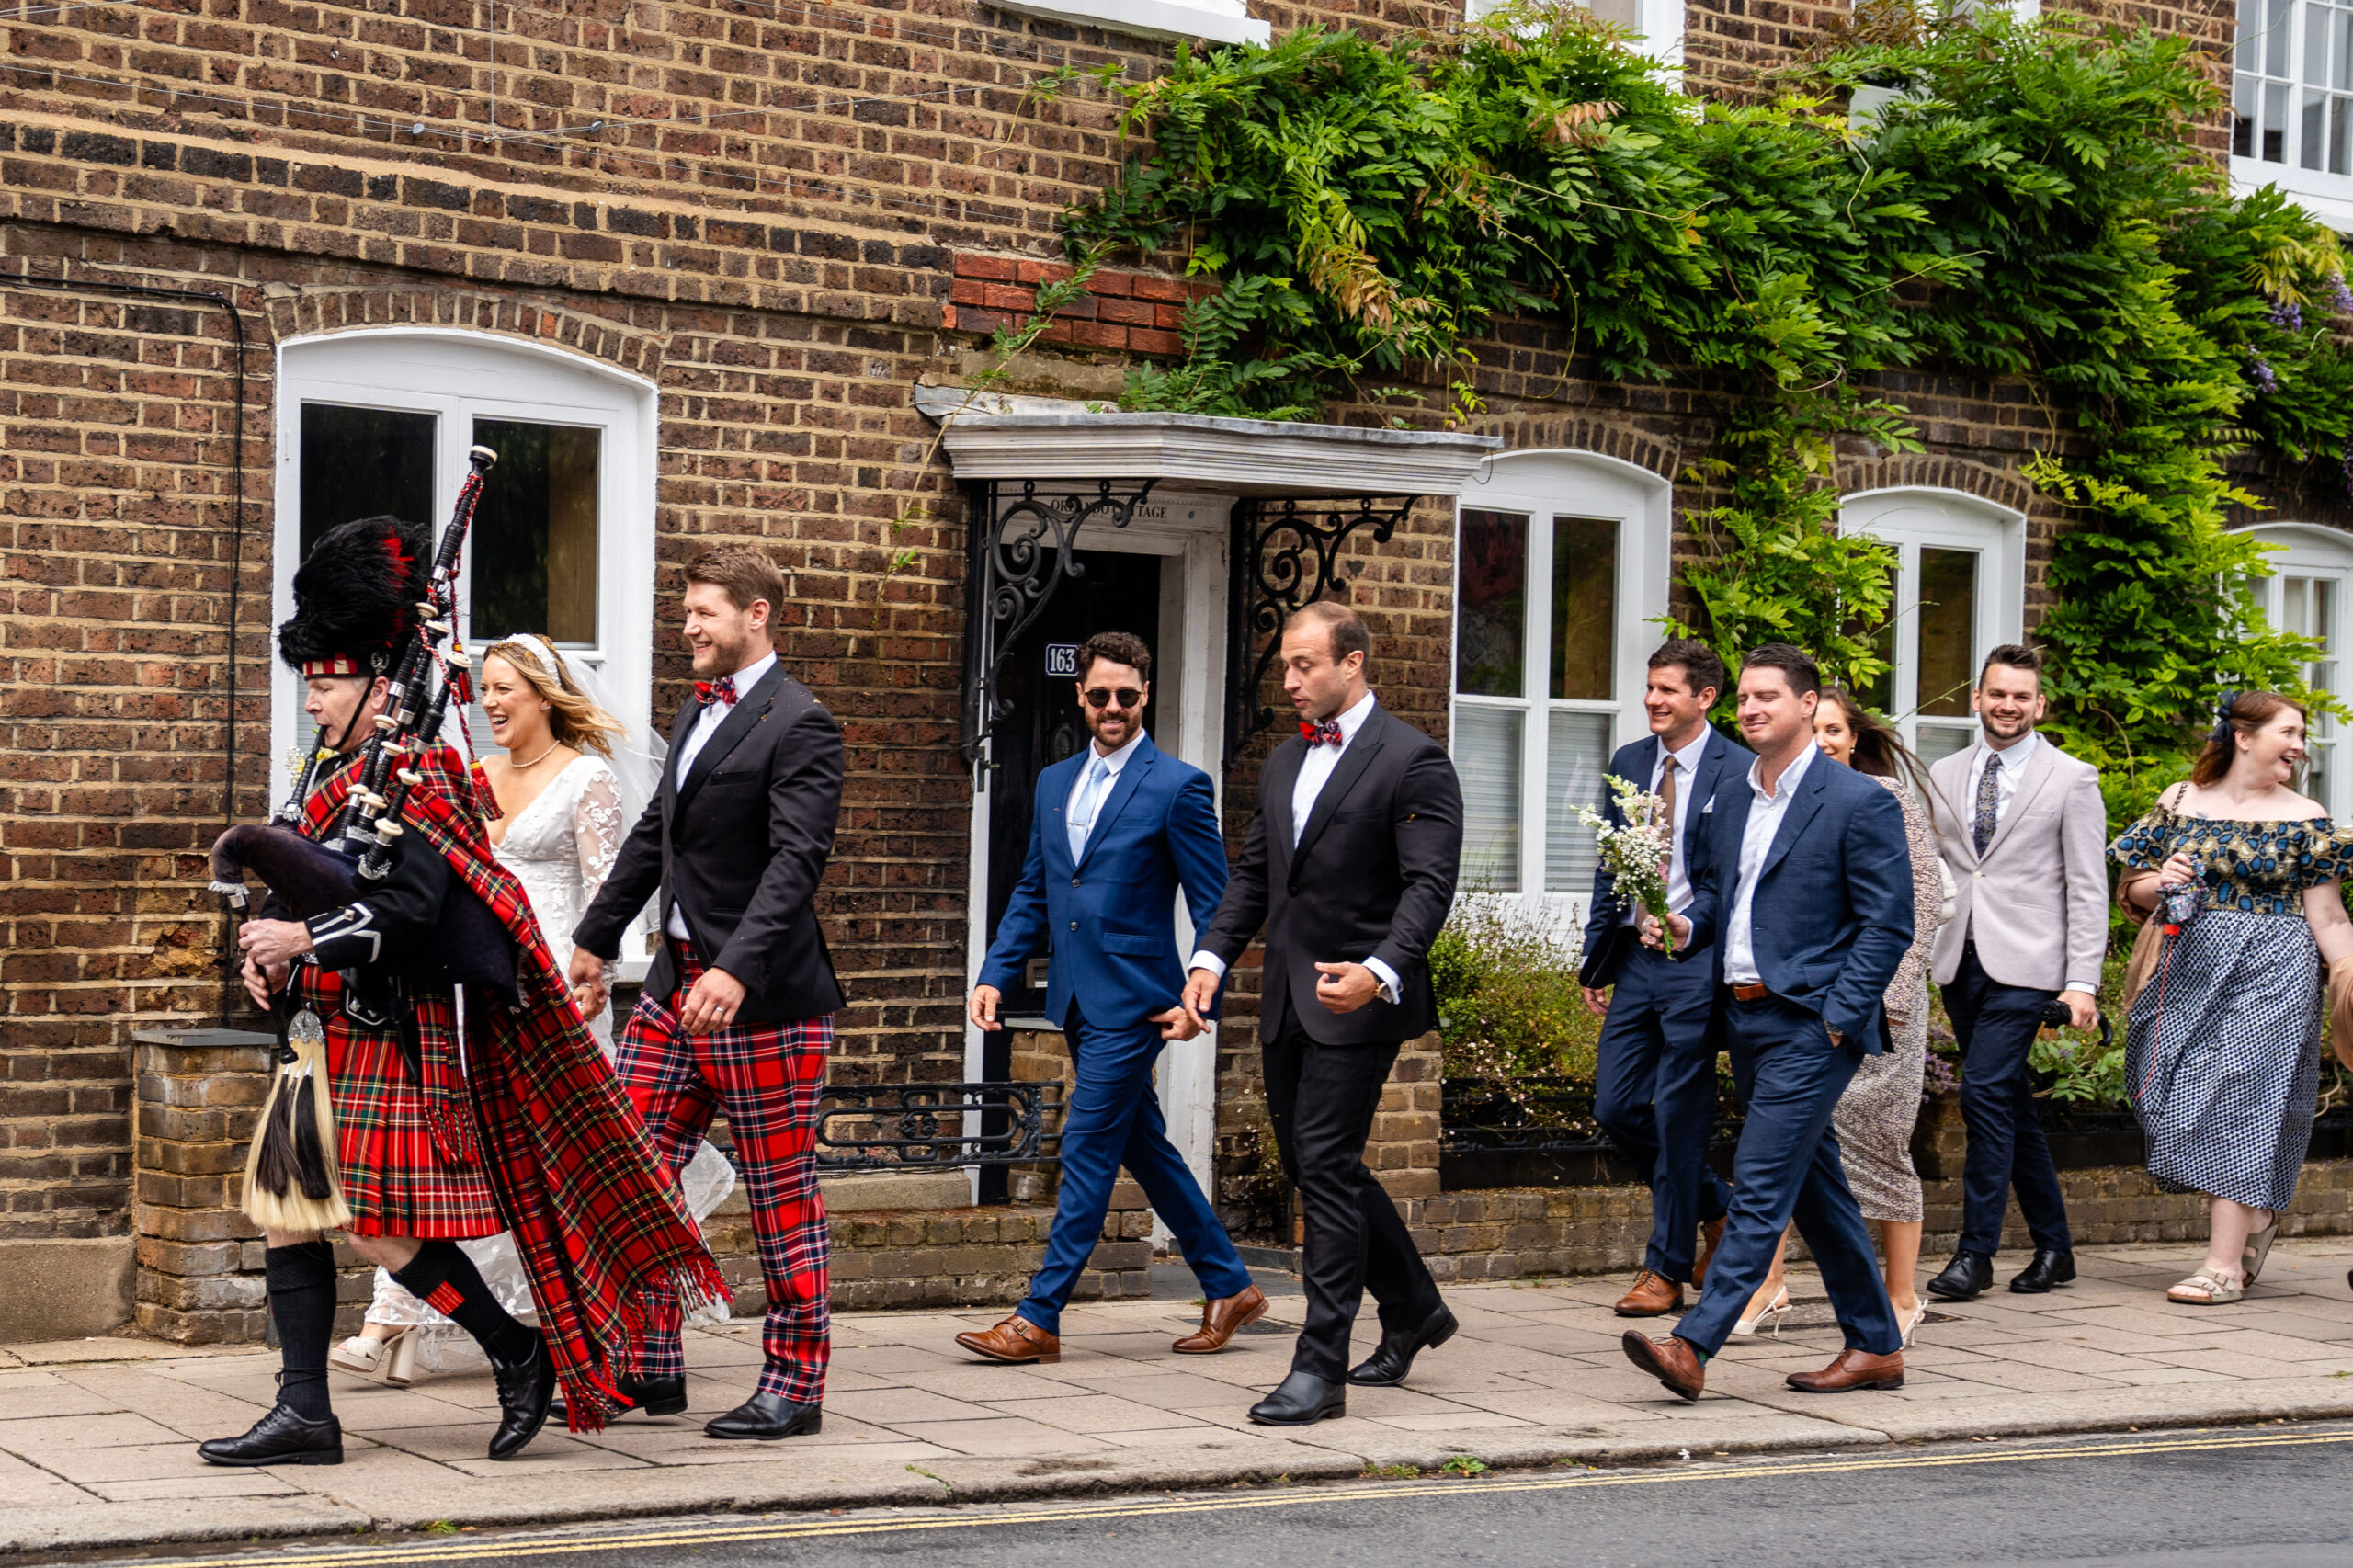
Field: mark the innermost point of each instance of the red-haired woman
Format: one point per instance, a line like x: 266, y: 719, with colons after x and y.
x: 2222, y: 1055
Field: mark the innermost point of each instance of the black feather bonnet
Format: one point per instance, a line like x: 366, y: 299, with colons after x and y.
x: 355, y: 599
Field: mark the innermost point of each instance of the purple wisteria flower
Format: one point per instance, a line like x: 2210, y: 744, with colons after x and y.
x: 2288, y: 315
x: 2346, y: 463
x: 2340, y: 298
x: 2259, y: 371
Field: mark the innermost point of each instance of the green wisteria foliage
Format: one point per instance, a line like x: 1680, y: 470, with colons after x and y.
x: 2023, y: 200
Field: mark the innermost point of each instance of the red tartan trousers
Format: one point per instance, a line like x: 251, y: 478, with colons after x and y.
x: 766, y: 1077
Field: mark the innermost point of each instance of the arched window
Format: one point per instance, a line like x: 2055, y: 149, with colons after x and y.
x: 1959, y: 593
x: 1560, y: 569
x: 380, y: 421
x: 2306, y: 593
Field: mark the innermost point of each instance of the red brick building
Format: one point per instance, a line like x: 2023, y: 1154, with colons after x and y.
x: 688, y: 264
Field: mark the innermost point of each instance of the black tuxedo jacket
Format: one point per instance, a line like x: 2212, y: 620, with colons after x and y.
x: 739, y: 844
x: 1372, y: 876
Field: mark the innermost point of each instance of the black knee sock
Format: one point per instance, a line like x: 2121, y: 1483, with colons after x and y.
x: 300, y: 1279
x: 445, y: 1278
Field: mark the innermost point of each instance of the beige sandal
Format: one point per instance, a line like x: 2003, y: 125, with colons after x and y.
x: 390, y: 1361
x: 2258, y: 1249
x: 2207, y: 1289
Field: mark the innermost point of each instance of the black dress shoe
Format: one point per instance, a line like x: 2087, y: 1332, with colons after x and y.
x: 1388, y: 1365
x: 764, y: 1417
x: 650, y: 1396
x: 1966, y: 1277
x: 1302, y: 1399
x: 280, y: 1437
x: 2051, y: 1267
x: 525, y: 1390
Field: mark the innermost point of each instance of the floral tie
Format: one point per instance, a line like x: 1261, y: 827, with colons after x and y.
x: 1989, y: 801
x: 1665, y: 822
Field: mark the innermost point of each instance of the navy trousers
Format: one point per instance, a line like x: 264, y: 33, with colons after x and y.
x: 1654, y: 1093
x: 1995, y: 1025
x: 1114, y: 1119
x: 1787, y: 1167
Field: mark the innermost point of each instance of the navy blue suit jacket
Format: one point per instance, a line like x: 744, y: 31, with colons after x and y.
x: 1719, y: 761
x: 1109, y: 919
x: 1832, y: 914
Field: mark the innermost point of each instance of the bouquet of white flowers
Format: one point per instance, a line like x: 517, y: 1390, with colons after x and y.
x: 1635, y: 853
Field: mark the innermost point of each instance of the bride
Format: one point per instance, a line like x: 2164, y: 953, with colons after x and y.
x: 565, y: 805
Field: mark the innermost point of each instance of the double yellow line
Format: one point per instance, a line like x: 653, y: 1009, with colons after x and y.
x: 803, y: 1527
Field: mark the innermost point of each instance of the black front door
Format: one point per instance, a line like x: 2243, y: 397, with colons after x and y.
x: 1117, y: 593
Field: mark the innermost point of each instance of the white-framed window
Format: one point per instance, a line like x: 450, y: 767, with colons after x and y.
x: 2312, y: 575
x: 1561, y: 572
x: 1960, y: 594
x: 2292, y: 101
x: 1211, y: 21
x: 380, y: 421
x: 1658, y: 24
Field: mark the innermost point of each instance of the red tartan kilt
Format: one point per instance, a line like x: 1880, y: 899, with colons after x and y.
x: 396, y: 1182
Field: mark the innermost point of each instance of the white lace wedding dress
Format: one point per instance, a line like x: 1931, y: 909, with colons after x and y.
x: 561, y: 848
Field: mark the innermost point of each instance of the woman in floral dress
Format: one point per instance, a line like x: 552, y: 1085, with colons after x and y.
x: 2223, y: 1052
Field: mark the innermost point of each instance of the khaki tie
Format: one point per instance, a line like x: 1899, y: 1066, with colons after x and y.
x: 1665, y: 822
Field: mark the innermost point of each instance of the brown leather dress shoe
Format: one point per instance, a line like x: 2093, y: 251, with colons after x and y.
x: 1652, y: 1296
x: 1016, y: 1339
x: 1853, y: 1369
x: 1671, y: 1361
x: 1712, y: 1234
x: 1221, y: 1320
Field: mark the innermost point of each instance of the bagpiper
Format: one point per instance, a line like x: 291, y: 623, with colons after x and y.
x: 416, y: 1142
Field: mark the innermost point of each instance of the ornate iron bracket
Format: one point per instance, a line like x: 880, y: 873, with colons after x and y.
x: 908, y: 1126
x: 1020, y: 552
x: 1286, y: 556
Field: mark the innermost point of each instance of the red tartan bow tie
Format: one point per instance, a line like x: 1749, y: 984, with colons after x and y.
x: 720, y: 690
x: 1326, y: 733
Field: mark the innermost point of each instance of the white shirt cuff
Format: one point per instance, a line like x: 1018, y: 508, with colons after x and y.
x: 2089, y: 988
x: 1208, y: 960
x: 1390, y: 985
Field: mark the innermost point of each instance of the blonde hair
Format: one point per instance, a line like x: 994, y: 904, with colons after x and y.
x: 573, y: 720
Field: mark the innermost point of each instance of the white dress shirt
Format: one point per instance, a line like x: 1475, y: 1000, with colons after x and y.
x: 1313, y: 774
x: 706, y: 725
x: 1687, y: 764
x: 2012, y: 760
x: 1112, y: 763
x: 1765, y: 815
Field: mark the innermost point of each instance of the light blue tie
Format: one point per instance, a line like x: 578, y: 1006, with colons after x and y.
x: 1082, y: 813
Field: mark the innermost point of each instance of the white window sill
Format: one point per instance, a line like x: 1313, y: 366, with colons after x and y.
x: 1211, y: 21
x: 2328, y: 197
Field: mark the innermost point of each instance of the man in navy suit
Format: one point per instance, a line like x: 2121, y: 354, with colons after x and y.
x: 1800, y: 907
x: 1116, y: 830
x: 1655, y: 1083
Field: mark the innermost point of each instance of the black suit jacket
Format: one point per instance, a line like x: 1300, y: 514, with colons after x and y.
x: 1372, y: 876
x: 740, y: 843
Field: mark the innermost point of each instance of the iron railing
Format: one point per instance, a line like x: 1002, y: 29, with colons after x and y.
x: 888, y: 1127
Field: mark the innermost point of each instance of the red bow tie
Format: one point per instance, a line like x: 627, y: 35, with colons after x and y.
x: 720, y: 690
x: 1326, y: 733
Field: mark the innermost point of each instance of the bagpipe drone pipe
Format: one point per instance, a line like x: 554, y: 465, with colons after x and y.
x: 291, y: 1179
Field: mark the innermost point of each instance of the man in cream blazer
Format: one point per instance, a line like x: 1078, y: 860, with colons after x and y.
x: 2024, y: 833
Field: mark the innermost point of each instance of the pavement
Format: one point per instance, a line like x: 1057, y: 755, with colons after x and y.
x: 97, y: 1436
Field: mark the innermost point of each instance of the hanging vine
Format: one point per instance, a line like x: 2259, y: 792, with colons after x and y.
x: 2026, y: 200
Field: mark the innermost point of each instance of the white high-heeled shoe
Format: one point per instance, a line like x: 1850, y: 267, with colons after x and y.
x: 1771, y: 1314
x: 390, y: 1361
x: 1918, y: 1315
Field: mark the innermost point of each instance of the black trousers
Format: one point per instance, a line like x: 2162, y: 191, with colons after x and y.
x: 1321, y: 1099
x: 1995, y: 1025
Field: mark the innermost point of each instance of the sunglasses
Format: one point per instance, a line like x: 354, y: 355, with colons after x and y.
x: 1096, y: 697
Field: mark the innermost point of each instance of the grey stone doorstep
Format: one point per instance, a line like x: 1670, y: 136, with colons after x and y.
x: 97, y: 1436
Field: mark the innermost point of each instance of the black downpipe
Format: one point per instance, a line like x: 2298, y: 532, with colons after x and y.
x: 236, y: 549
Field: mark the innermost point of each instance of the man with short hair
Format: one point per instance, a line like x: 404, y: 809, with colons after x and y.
x: 737, y: 1011
x: 2024, y: 832
x: 1350, y: 867
x: 1801, y: 906
x: 1117, y: 829
x: 1654, y: 1079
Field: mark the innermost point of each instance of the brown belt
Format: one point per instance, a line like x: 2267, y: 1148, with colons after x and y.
x: 1749, y: 993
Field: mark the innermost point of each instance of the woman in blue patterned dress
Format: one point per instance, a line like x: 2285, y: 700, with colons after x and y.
x: 2222, y: 1050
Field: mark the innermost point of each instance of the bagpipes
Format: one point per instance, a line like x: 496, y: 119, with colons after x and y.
x: 292, y: 1182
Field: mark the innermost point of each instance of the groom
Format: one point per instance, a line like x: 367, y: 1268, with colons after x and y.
x: 737, y: 1012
